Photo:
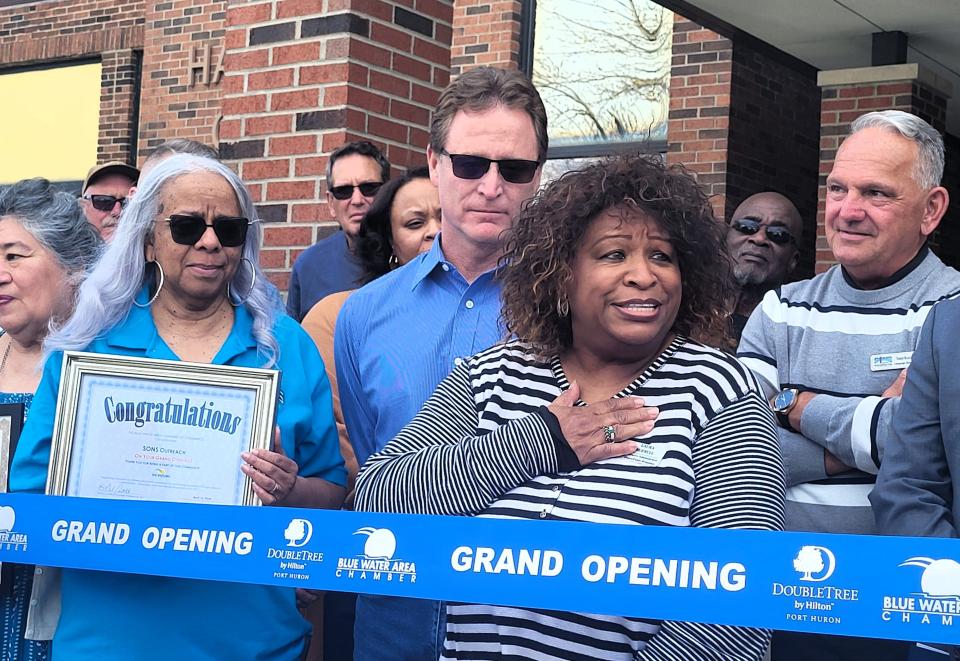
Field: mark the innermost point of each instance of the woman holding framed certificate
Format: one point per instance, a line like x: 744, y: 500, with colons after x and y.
x: 46, y: 248
x: 182, y: 282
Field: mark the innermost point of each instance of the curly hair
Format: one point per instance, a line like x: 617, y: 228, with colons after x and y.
x: 375, y: 239
x: 536, y: 269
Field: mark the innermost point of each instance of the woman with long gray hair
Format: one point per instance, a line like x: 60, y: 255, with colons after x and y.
x: 181, y: 281
x: 46, y: 249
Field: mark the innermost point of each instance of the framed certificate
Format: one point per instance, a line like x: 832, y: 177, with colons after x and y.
x: 11, y: 422
x: 144, y: 429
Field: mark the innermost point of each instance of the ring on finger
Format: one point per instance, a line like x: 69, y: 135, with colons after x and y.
x: 276, y: 488
x: 609, y: 433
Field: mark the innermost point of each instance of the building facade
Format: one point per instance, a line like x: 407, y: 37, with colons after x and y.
x: 277, y: 85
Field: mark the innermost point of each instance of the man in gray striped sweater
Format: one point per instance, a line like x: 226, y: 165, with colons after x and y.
x: 831, y: 352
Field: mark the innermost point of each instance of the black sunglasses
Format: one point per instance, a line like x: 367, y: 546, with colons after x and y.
x: 776, y: 233
x: 105, y: 202
x: 514, y: 170
x: 345, y: 192
x: 187, y: 229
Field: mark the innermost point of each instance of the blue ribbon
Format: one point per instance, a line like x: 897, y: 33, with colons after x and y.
x: 880, y: 587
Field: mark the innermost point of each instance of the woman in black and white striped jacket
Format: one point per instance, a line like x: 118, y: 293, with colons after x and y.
x: 606, y: 409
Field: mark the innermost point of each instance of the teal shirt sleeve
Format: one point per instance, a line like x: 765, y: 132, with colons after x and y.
x: 306, y: 413
x: 30, y: 462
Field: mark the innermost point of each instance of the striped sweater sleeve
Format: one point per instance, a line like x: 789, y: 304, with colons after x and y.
x: 803, y: 456
x: 439, y: 464
x: 758, y: 344
x: 850, y: 427
x: 739, y: 484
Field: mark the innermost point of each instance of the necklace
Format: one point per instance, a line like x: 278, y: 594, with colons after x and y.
x: 6, y: 353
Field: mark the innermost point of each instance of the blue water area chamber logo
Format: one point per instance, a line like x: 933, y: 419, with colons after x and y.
x: 11, y: 540
x: 377, y: 562
x: 938, y: 600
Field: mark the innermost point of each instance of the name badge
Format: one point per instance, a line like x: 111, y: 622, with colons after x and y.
x: 890, y: 361
x: 648, y: 454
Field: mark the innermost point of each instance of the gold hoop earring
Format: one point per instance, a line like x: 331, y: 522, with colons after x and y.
x: 159, y: 287
x: 253, y: 283
x: 563, y: 306
x: 393, y: 262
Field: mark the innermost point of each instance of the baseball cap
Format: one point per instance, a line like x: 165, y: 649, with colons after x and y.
x: 113, y: 167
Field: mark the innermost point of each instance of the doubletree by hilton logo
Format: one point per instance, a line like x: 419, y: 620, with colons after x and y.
x: 815, y: 563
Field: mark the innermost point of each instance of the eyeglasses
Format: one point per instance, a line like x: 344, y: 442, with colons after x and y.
x: 514, y: 170
x: 776, y: 233
x: 105, y: 202
x: 345, y: 192
x: 186, y: 229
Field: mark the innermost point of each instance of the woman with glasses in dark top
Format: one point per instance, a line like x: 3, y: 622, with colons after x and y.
x: 402, y: 222
x: 182, y: 281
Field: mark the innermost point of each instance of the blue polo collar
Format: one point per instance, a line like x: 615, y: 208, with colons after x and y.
x: 138, y: 332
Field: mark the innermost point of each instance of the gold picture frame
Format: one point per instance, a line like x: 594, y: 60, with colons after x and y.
x: 146, y: 429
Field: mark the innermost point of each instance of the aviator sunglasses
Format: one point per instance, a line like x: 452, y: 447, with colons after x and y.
x: 776, y: 233
x: 187, y: 229
x: 345, y: 192
x: 105, y: 202
x: 513, y: 170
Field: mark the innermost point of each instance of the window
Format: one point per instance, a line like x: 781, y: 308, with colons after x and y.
x: 49, y: 123
x: 603, y: 71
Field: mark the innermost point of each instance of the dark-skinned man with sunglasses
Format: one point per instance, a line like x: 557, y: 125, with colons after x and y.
x: 400, y: 336
x: 104, y: 194
x: 763, y: 241
x: 355, y: 173
x: 831, y: 353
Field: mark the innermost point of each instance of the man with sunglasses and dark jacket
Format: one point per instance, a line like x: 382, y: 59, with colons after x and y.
x: 104, y: 194
x: 763, y: 239
x: 400, y: 335
x: 355, y: 173
x: 831, y: 353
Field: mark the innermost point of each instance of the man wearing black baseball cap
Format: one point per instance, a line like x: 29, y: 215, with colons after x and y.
x: 105, y: 191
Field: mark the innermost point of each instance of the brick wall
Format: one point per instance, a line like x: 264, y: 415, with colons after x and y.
x: 181, y: 89
x: 119, y: 80
x: 300, y: 82
x: 773, y: 138
x: 744, y: 118
x: 843, y: 102
x: 699, y: 119
x: 485, y: 32
x: 66, y: 31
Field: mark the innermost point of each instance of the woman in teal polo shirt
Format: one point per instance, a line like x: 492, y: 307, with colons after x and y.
x: 181, y: 281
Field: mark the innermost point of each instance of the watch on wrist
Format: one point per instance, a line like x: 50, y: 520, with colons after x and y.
x: 783, y: 403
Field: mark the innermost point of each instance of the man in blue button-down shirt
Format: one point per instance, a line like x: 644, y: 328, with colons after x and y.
x: 399, y: 336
